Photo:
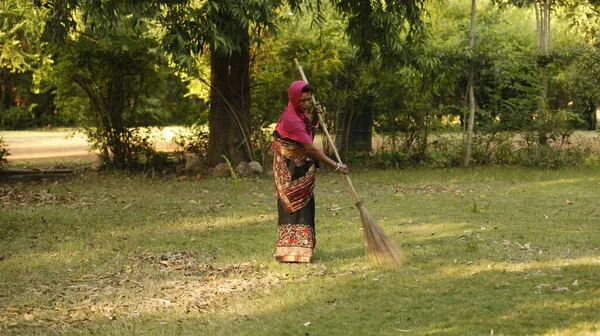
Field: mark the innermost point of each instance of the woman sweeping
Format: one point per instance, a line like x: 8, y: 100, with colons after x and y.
x: 294, y: 161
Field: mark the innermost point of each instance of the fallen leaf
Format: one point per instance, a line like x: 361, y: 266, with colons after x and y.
x: 28, y: 317
x: 334, y: 207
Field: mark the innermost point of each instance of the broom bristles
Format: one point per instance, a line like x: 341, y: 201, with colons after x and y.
x: 380, y: 248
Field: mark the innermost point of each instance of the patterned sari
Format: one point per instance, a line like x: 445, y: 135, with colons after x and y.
x: 293, y: 169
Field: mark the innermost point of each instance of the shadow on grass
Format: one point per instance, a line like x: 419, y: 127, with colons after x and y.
x: 353, y: 305
x: 430, y: 295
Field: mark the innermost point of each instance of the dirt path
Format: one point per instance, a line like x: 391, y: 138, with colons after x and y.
x: 35, y: 146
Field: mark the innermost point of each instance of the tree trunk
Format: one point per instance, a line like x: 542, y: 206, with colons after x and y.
x: 469, y: 138
x: 593, y: 117
x: 548, y: 27
x: 543, y: 16
x: 538, y: 25
x: 230, y: 108
x: 6, y: 89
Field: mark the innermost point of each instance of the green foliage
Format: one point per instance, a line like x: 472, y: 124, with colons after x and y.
x: 446, y: 151
x: 158, y: 160
x: 21, y: 27
x: 592, y: 161
x: 4, y: 152
x: 413, y: 87
x: 105, y: 79
x: 550, y: 157
x: 379, y: 160
x: 23, y: 65
x: 191, y: 139
x: 16, y: 117
x: 493, y: 148
x: 114, y: 97
x: 472, y: 243
x: 234, y: 176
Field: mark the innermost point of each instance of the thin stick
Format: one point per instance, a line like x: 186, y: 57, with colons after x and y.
x: 324, y: 127
x: 379, y: 246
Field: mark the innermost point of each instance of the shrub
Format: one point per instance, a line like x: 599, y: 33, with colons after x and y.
x: 551, y: 157
x: 592, y: 161
x: 192, y: 140
x: 445, y: 152
x: 127, y: 148
x: 16, y: 118
x: 380, y: 159
x: 493, y: 148
x: 3, y: 152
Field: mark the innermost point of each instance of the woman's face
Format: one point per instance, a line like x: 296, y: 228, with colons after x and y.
x: 305, y: 100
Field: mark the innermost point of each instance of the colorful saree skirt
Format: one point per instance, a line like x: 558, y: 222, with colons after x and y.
x: 293, y: 170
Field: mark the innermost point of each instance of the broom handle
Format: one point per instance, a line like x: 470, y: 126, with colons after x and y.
x: 322, y: 123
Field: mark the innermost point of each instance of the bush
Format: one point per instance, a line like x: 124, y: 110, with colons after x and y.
x: 445, y: 152
x: 551, y: 157
x: 592, y: 161
x: 127, y: 148
x: 16, y: 118
x: 488, y: 149
x: 494, y: 148
x: 3, y: 152
x: 380, y: 159
x: 192, y: 140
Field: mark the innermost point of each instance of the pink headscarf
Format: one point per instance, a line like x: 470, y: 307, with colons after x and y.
x: 293, y: 123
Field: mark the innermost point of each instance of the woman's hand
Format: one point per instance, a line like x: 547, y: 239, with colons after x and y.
x: 342, y: 168
x: 316, y: 116
x: 317, y: 111
x: 318, y: 108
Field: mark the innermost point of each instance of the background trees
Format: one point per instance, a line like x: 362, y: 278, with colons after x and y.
x: 23, y: 103
x: 115, y: 66
x: 228, y: 30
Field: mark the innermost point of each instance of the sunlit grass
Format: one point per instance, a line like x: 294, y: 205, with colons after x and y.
x: 511, y: 250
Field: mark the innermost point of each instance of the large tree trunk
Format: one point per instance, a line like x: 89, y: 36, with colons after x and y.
x: 230, y: 108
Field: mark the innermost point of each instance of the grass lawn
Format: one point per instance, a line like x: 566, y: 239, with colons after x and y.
x: 488, y: 251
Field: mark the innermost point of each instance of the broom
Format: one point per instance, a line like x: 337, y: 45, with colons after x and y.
x: 379, y: 247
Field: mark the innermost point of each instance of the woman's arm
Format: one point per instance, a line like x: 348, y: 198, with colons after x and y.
x: 319, y: 155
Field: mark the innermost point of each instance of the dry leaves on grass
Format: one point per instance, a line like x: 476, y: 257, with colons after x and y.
x: 16, y: 196
x: 182, y: 285
x: 427, y: 189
